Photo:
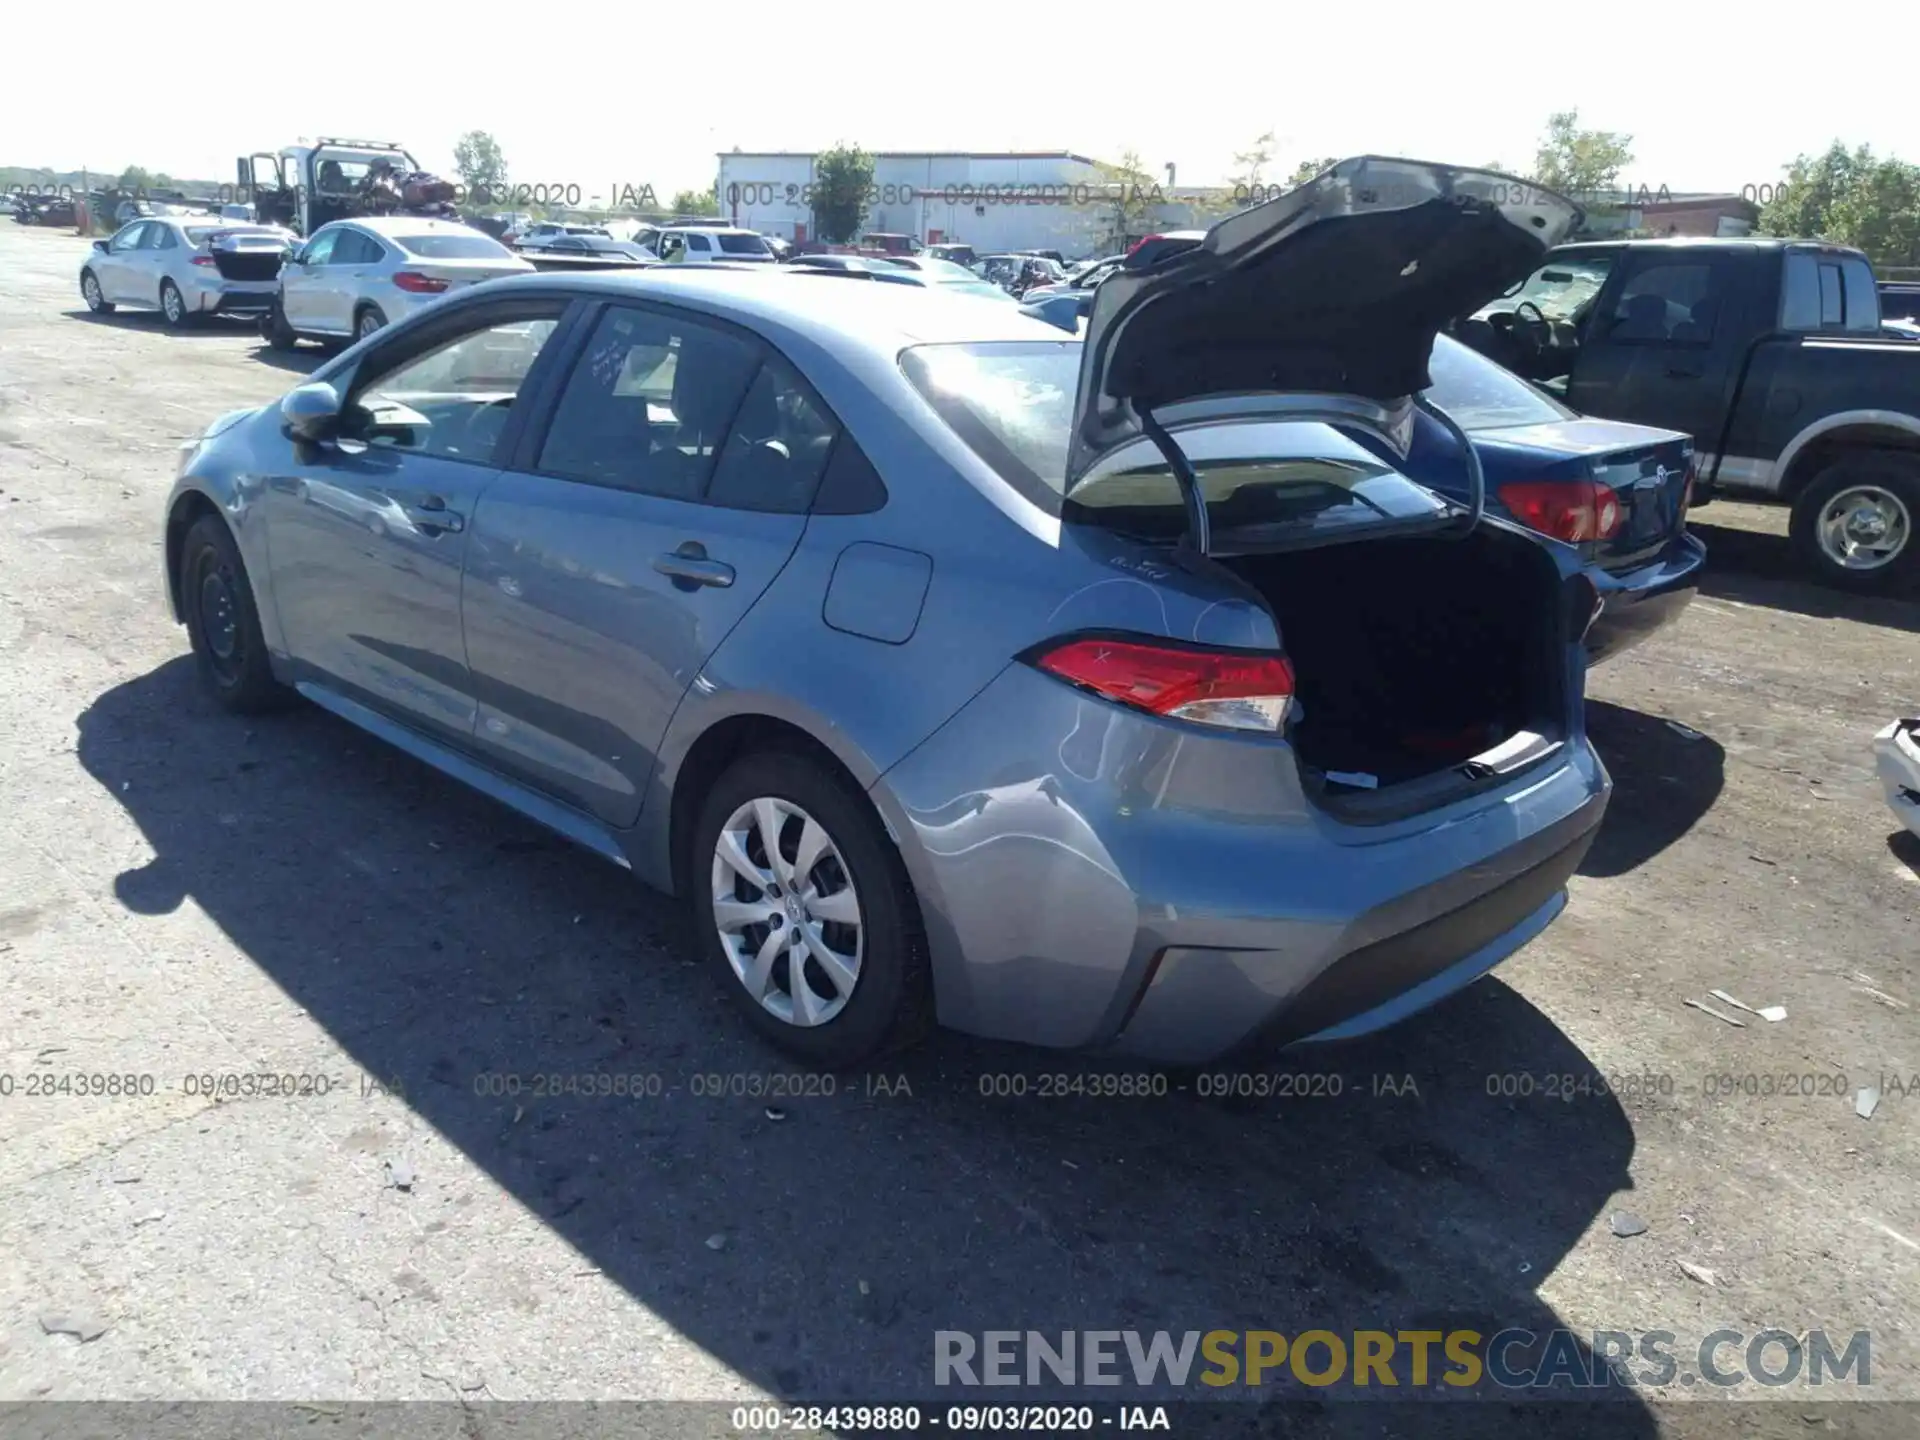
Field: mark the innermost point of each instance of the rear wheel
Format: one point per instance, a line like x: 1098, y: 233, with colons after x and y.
x: 805, y: 912
x: 173, y: 305
x: 368, y: 321
x: 222, y: 623
x: 90, y: 292
x: 1853, y: 526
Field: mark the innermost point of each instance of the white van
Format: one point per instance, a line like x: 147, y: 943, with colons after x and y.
x: 712, y: 245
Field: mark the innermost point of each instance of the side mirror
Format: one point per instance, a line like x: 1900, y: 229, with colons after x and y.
x: 311, y: 412
x: 101, y: 246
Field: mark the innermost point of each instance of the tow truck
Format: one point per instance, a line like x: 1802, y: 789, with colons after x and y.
x: 305, y: 186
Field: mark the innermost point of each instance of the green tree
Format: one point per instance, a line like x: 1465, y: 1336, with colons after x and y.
x: 1802, y: 205
x: 1126, y: 204
x: 134, y: 179
x: 1307, y: 169
x: 695, y: 202
x: 1851, y: 197
x: 842, y: 177
x: 480, y: 164
x: 1580, y: 162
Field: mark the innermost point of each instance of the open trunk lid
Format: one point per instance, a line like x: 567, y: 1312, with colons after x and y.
x: 1321, y: 305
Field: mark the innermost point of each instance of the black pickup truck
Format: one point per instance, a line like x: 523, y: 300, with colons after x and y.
x: 1770, y: 353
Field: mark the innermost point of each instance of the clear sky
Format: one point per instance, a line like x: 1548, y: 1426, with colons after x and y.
x: 643, y: 94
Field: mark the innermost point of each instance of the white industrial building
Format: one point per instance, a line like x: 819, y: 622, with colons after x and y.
x: 1022, y: 200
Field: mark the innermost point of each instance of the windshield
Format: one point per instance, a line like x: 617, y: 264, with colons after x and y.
x: 1562, y: 288
x: 1479, y: 395
x: 944, y: 271
x: 1012, y: 403
x: 453, y: 247
x: 333, y: 168
x: 742, y: 244
x: 968, y: 285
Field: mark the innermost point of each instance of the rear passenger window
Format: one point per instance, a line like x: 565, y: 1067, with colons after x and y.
x: 353, y: 248
x: 777, y: 447
x: 1833, y: 309
x: 1668, y: 302
x: 1820, y: 292
x: 1862, y: 297
x: 698, y: 242
x: 648, y: 404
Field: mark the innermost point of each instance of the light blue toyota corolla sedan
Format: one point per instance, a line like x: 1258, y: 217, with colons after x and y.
x: 1107, y: 695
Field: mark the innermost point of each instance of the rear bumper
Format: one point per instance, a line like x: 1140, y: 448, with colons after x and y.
x: 1643, y: 601
x: 1897, y: 758
x: 1127, y: 884
x: 213, y: 295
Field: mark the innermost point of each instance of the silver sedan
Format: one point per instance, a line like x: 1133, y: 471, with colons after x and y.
x: 184, y: 267
x: 356, y: 276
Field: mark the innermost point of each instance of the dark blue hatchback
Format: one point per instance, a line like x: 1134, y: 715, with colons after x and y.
x: 1618, y: 493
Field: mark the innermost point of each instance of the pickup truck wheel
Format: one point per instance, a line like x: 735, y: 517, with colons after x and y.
x: 1854, y: 524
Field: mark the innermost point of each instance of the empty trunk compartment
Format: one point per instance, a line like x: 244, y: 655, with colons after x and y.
x: 1414, y: 656
x: 248, y: 264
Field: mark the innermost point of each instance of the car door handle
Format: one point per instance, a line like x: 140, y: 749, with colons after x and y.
x: 1685, y: 369
x: 689, y: 567
x: 432, y: 516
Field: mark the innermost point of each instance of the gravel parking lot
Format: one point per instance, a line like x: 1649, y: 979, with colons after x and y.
x: 184, y: 895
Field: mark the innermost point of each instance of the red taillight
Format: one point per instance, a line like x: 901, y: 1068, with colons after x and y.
x: 1241, y: 690
x: 205, y: 260
x: 414, y: 283
x: 1572, y: 510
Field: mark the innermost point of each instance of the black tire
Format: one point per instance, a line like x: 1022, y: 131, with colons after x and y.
x: 368, y: 313
x: 222, y: 623
x: 275, y: 330
x: 174, y: 312
x: 1893, y: 475
x: 91, y: 292
x: 891, y: 1004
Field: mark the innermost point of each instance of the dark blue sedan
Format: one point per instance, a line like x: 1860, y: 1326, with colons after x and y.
x: 1616, y: 492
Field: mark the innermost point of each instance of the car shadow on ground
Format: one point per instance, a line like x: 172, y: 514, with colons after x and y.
x: 304, y: 361
x: 1663, y: 782
x: 1418, y: 1179
x: 205, y: 327
x: 1754, y: 568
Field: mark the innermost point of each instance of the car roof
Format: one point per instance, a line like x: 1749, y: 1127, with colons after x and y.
x: 879, y: 319
x: 409, y: 225
x: 1710, y: 242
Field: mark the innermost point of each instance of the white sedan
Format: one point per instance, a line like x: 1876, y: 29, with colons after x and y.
x: 184, y: 267
x: 355, y: 276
